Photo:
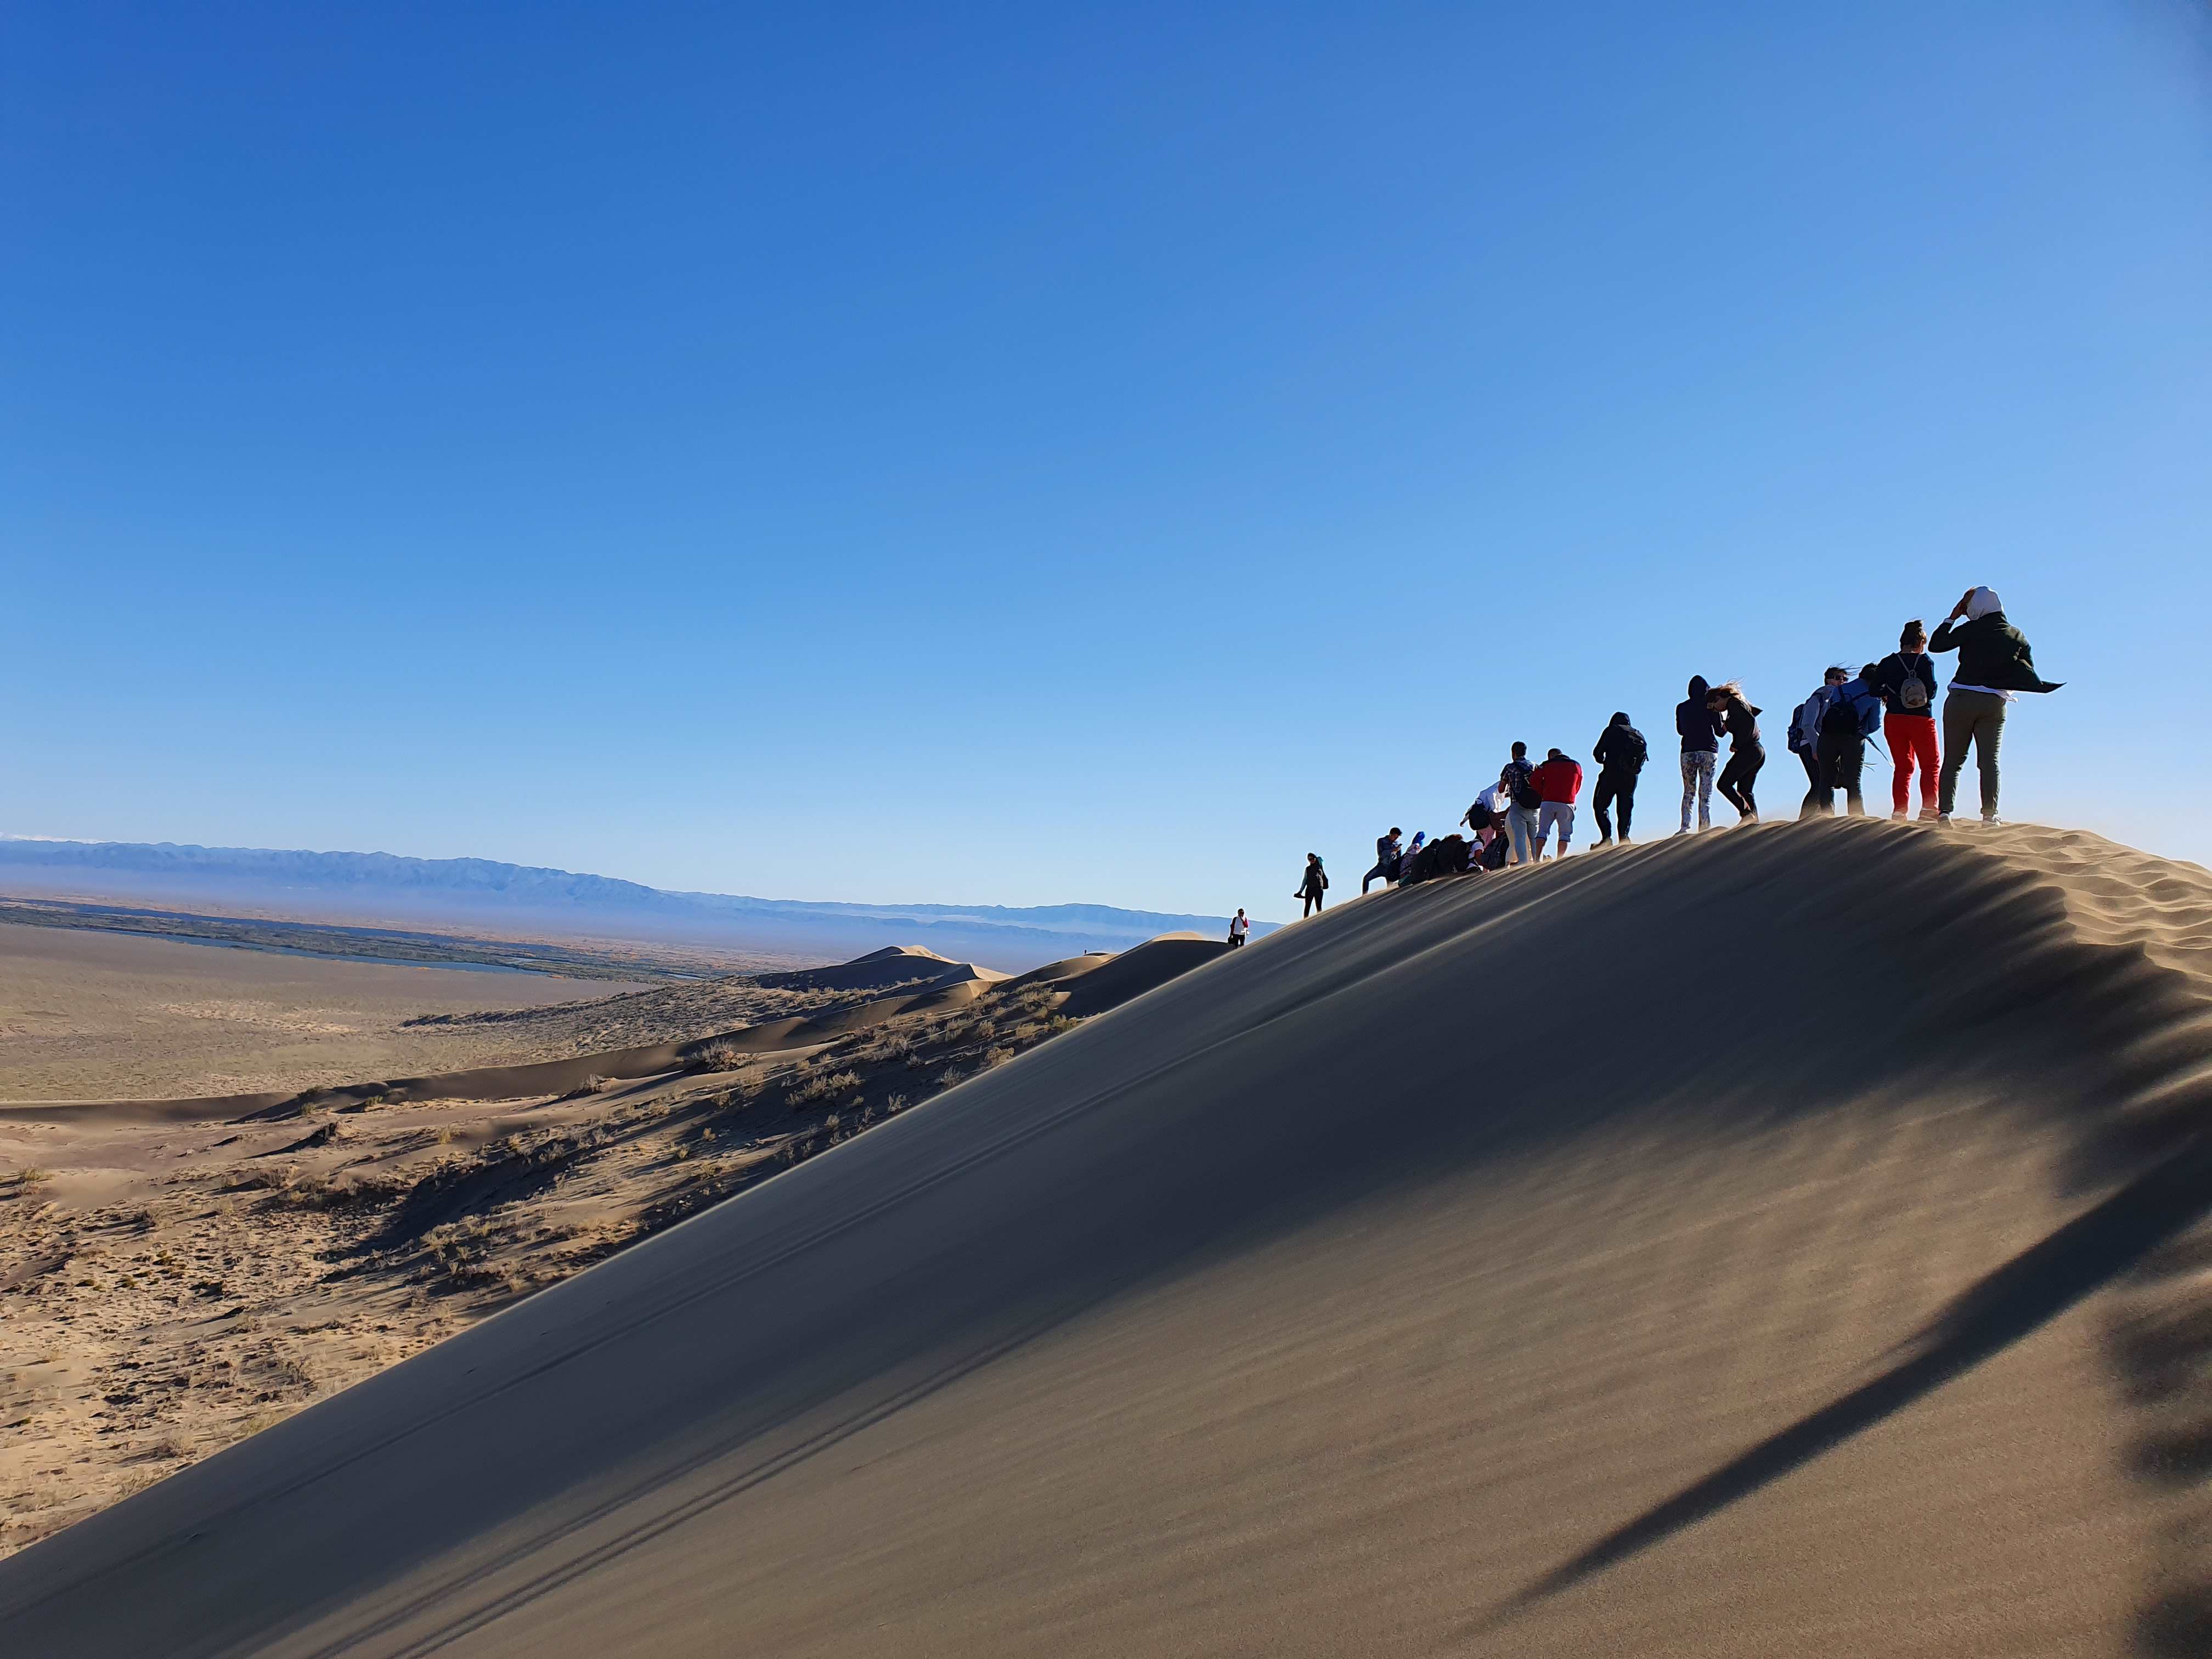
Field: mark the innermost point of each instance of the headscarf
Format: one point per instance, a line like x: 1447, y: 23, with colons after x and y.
x: 1982, y: 602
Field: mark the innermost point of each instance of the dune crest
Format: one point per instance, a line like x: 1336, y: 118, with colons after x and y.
x: 1782, y: 1241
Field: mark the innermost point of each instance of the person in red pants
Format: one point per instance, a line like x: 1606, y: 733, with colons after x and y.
x: 1906, y: 680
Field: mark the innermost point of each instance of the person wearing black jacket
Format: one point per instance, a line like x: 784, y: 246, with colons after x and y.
x: 1312, y: 886
x: 1700, y: 730
x: 1995, y: 663
x: 1906, y: 681
x: 1747, y: 754
x: 1620, y: 753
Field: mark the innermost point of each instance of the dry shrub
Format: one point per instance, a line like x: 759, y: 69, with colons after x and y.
x: 719, y: 1056
x: 822, y: 1084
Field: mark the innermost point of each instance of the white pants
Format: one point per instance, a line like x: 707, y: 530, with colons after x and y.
x: 1698, y: 780
x: 1561, y: 813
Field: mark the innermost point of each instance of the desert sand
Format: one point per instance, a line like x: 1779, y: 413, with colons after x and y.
x: 96, y: 1016
x: 176, y: 1274
x: 1786, y: 1241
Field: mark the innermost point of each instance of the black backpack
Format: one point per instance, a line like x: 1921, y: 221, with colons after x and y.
x: 1523, y: 788
x: 1626, y: 750
x: 1841, y: 719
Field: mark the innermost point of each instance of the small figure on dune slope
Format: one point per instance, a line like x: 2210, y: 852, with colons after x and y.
x: 1700, y: 731
x: 1558, y: 781
x: 1995, y: 664
x: 1389, y: 859
x: 1238, y: 926
x: 1747, y: 754
x: 1905, y: 679
x: 1620, y: 753
x: 1314, y: 884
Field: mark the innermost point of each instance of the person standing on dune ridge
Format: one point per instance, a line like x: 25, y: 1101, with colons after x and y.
x: 1520, y: 780
x: 1620, y: 754
x: 1851, y: 714
x: 1995, y: 663
x: 1700, y: 730
x: 1559, y: 780
x: 1906, y: 681
x: 1315, y: 883
x: 1747, y: 754
x: 1238, y: 927
x: 1805, y: 736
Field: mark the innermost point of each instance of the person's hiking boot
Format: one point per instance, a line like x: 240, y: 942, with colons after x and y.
x: 1991, y: 818
x: 1927, y: 816
x: 1944, y: 818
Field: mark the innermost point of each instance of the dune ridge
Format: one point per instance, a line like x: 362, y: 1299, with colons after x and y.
x: 1667, y: 1252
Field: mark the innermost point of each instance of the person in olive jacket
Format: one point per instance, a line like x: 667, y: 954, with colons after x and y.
x: 1995, y: 664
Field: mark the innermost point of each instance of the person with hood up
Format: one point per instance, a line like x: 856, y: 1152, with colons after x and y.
x: 1389, y: 860
x: 1620, y: 753
x: 1520, y: 780
x: 1805, y: 735
x: 1995, y: 663
x: 1747, y: 754
x: 1559, y: 780
x: 1700, y: 730
x: 1906, y: 681
x: 1312, y: 886
x: 1849, y: 718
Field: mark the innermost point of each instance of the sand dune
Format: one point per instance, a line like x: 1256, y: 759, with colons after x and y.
x: 1782, y: 1241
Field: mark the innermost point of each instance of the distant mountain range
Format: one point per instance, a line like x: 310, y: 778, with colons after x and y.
x: 383, y: 886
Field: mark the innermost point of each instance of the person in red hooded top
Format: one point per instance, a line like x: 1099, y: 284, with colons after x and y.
x: 1558, y: 781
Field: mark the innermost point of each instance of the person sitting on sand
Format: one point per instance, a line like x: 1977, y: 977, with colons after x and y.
x: 1995, y: 663
x: 1746, y: 753
x: 1559, y: 780
x: 1315, y: 883
x: 1620, y: 754
x: 1486, y: 818
x: 1389, y: 860
x: 1237, y: 928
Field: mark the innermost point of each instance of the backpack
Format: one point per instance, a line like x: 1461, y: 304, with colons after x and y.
x: 1840, y: 718
x: 1480, y: 817
x: 1625, y: 750
x: 1523, y: 788
x: 1911, y: 693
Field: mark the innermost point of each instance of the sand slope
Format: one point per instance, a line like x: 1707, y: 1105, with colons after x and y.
x: 1784, y: 1241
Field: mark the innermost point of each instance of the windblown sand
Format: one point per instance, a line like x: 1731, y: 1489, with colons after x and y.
x: 1788, y: 1240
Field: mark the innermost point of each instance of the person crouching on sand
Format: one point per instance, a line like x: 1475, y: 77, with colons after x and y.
x: 1237, y: 928
x: 1315, y: 885
x: 1559, y: 780
x: 1747, y: 754
x: 1389, y: 859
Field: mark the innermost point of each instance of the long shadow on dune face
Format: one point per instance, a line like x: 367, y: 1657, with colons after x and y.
x: 1330, y: 1063
x: 2019, y: 1297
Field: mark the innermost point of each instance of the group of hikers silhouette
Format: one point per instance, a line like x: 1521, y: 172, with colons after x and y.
x: 1513, y: 819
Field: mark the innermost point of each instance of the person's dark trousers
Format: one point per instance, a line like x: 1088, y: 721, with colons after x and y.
x: 1811, y: 782
x: 1737, y: 777
x: 1313, y: 903
x: 1842, y: 758
x: 1613, y: 790
x: 1385, y: 870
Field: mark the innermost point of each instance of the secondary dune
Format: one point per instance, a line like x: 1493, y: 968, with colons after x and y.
x: 1786, y: 1241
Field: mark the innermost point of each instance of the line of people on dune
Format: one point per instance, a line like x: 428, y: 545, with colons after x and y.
x: 1516, y: 817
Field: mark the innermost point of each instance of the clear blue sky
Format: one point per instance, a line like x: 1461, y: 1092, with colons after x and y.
x: 1030, y: 454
